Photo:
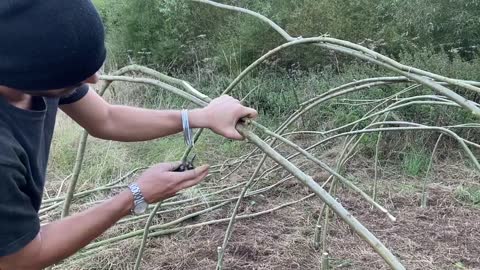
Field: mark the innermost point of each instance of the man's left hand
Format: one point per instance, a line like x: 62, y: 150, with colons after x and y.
x: 223, y: 113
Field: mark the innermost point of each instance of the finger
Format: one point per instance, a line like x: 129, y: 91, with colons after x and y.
x: 192, y: 182
x: 250, y: 113
x: 243, y: 112
x: 190, y: 174
x: 230, y: 98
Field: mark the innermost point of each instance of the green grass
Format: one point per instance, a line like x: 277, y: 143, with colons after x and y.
x: 64, y: 145
x: 459, y: 265
x: 103, y: 162
x: 409, y: 188
x: 99, y: 3
x: 106, y: 161
x: 275, y: 99
x: 468, y: 194
x: 415, y: 162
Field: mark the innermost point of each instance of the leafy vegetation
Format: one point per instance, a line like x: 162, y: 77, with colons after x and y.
x: 468, y: 194
x: 184, y: 34
x: 415, y: 161
x: 208, y: 47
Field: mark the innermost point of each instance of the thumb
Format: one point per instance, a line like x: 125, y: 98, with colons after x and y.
x: 167, y: 166
x: 194, y: 181
x: 190, y: 174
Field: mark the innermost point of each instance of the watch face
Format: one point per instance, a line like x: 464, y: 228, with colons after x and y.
x: 140, y: 208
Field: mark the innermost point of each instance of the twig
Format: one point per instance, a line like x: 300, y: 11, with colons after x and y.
x: 423, y: 202
x: 331, y: 202
x: 327, y: 168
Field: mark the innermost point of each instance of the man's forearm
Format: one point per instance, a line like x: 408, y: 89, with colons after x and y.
x: 123, y: 123
x: 58, y: 240
x: 65, y: 237
x: 136, y: 124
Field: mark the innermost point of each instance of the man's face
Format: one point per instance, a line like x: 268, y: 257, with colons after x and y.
x: 64, y: 91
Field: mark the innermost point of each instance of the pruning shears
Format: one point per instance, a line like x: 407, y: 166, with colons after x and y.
x: 186, y: 164
x: 189, y: 141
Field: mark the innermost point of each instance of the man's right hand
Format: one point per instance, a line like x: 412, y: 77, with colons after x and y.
x: 161, y: 182
x: 60, y: 239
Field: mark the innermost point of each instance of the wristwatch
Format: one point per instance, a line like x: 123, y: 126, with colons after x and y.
x: 140, y: 205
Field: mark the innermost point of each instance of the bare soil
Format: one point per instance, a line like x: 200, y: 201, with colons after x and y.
x: 436, y: 237
x: 444, y: 235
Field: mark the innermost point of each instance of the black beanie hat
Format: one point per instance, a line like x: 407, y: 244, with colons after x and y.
x: 49, y: 44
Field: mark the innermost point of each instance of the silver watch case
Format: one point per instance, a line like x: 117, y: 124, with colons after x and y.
x: 140, y: 205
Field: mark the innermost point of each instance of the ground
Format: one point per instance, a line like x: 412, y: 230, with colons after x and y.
x: 444, y: 235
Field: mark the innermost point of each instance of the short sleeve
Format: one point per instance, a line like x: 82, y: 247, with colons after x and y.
x: 19, y: 222
x: 75, y: 96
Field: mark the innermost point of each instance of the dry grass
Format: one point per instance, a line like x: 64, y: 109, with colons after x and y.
x: 443, y: 235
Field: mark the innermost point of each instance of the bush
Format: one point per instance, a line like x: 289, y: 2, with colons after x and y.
x: 184, y: 34
x: 209, y: 46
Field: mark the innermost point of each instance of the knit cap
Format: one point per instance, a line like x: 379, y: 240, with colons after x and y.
x: 49, y: 44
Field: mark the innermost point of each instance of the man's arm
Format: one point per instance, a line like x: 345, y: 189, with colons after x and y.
x: 123, y: 123
x: 62, y: 238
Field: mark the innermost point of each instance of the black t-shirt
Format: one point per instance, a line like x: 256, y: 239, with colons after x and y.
x: 25, y: 138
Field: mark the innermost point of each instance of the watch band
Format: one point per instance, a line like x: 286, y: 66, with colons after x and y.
x: 137, y: 196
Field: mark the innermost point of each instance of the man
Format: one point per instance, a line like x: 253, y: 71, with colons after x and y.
x: 50, y: 50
